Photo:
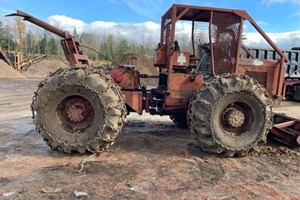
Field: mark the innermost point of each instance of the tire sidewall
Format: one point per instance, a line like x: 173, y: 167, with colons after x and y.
x: 247, y: 138
x: 52, y: 121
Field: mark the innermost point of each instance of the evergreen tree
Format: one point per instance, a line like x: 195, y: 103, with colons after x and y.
x: 30, y: 43
x: 6, y: 38
x: 110, y: 47
x: 122, y: 48
x: 75, y: 34
x: 43, y: 44
x: 53, y: 49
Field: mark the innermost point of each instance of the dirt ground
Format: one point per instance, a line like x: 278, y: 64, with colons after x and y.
x: 44, y: 68
x: 7, y: 71
x: 151, y: 159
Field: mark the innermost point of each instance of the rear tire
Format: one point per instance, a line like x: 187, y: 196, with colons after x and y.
x: 78, y: 110
x: 230, y: 114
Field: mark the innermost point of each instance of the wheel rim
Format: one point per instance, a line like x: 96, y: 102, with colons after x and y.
x: 236, y: 119
x: 75, y: 113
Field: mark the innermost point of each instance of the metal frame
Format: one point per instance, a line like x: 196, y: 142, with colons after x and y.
x: 286, y: 130
x: 70, y: 46
x: 200, y: 13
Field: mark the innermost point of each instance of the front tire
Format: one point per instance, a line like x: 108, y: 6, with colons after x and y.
x: 78, y: 110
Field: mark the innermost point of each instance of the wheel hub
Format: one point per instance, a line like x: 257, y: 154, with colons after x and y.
x: 234, y: 117
x: 76, y: 112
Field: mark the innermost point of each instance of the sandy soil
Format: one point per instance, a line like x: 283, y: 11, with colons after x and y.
x: 7, y: 71
x: 44, y: 68
x: 151, y: 159
x: 39, y: 69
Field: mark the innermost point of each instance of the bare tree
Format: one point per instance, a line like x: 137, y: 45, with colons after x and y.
x: 20, y: 27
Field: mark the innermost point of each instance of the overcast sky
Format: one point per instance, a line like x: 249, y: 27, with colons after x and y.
x: 279, y: 18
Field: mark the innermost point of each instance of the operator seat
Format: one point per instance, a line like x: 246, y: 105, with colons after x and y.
x: 176, y: 46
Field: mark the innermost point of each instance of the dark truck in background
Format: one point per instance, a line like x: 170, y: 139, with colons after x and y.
x: 291, y: 88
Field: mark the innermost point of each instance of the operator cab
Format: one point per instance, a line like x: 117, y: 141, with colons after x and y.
x: 197, y: 43
x: 190, y: 35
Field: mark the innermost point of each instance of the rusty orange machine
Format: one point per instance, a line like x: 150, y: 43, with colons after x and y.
x: 223, y: 98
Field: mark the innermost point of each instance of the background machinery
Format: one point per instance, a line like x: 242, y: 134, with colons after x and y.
x: 15, y: 59
x: 225, y: 101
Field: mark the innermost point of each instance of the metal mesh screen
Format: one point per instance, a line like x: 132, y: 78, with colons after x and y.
x: 201, y: 35
x: 224, y: 32
x: 166, y: 27
x: 166, y: 33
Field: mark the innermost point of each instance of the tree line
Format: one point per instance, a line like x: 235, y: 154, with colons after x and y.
x: 16, y: 36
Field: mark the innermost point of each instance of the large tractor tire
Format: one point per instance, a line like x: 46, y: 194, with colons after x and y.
x: 78, y: 110
x: 180, y: 120
x: 230, y: 115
